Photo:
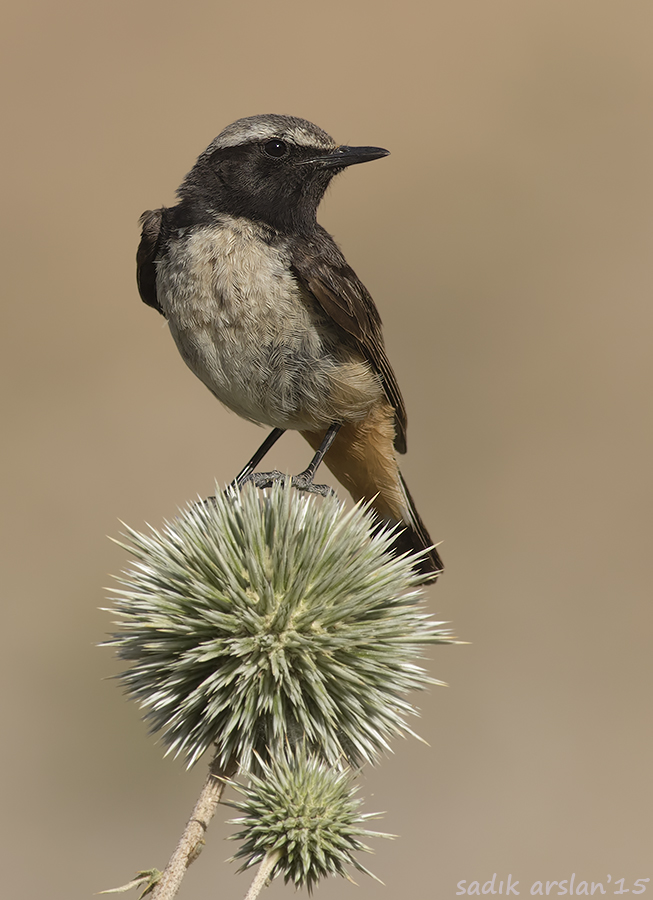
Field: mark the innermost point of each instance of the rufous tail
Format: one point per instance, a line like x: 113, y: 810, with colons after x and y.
x: 362, y: 458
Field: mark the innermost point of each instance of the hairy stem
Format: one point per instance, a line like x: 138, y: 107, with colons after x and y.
x: 191, y: 842
x: 261, y: 877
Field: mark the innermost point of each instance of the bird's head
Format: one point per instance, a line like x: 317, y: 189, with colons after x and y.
x: 270, y: 168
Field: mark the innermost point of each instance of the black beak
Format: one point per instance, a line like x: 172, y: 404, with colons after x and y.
x: 347, y: 156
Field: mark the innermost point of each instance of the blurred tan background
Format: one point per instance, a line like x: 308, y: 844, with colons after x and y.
x: 507, y: 242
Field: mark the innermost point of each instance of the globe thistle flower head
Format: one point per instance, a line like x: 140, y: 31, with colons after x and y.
x: 256, y: 619
x: 305, y: 815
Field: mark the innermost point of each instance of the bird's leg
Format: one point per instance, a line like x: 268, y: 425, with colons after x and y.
x: 267, y: 444
x: 303, y: 481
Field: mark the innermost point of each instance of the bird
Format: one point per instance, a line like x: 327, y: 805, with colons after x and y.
x: 268, y: 314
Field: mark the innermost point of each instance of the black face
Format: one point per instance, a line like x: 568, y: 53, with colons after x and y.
x: 273, y: 181
x: 270, y: 181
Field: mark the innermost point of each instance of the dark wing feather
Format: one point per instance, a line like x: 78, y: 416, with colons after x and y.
x: 320, y: 266
x: 148, y: 249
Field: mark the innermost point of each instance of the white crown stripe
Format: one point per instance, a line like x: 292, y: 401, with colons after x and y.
x: 262, y: 128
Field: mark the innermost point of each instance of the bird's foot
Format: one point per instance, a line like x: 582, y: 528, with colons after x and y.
x: 263, y: 479
x: 304, y: 482
x: 301, y: 482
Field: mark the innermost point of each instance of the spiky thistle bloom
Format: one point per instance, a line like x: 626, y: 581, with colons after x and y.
x: 304, y: 815
x: 253, y: 620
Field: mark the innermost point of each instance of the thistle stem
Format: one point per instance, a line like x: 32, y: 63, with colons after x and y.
x: 261, y: 877
x: 191, y: 842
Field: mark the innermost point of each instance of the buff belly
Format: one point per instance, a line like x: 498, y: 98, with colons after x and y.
x: 261, y: 344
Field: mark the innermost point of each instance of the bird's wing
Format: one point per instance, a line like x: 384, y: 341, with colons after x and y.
x: 146, y: 256
x: 321, y: 268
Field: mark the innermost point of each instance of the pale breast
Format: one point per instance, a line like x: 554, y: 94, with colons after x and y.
x: 260, y: 343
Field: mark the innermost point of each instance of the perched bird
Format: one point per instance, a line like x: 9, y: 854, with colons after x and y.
x: 267, y: 313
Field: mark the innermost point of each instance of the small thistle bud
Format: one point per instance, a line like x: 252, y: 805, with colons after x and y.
x: 253, y: 620
x: 303, y: 814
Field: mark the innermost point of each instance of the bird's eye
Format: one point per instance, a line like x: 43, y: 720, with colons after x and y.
x: 275, y: 149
